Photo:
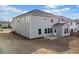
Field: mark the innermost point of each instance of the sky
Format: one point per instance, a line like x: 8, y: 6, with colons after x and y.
x: 7, y: 12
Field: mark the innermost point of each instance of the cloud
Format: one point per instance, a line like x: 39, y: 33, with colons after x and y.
x: 61, y: 10
x: 75, y: 16
x: 47, y: 10
x: 56, y: 10
x: 8, y: 11
x: 78, y: 6
x: 51, y: 6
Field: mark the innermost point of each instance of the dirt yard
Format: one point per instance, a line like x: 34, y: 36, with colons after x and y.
x: 15, y: 44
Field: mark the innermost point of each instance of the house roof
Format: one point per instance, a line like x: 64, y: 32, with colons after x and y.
x: 65, y: 19
x: 68, y: 19
x: 37, y: 13
x: 59, y: 24
x: 76, y: 21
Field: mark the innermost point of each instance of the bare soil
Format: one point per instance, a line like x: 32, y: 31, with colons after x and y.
x: 11, y: 43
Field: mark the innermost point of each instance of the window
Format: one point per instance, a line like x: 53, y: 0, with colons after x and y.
x: 44, y: 18
x: 51, y: 20
x: 45, y: 30
x: 48, y: 30
x: 55, y: 30
x: 18, y: 21
x: 39, y: 31
x: 66, y: 30
x: 71, y: 30
x: 71, y: 23
x: 75, y: 29
x: 62, y: 19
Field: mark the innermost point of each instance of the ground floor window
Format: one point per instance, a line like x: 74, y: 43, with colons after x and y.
x: 49, y: 30
x: 75, y: 29
x: 71, y: 30
x: 39, y: 31
x: 55, y: 31
x: 66, y: 30
x: 45, y: 30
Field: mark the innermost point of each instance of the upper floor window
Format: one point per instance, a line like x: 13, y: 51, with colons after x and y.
x: 62, y: 19
x: 71, y: 23
x: 51, y: 20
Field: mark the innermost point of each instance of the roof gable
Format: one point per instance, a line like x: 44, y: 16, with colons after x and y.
x: 59, y: 24
x: 37, y: 12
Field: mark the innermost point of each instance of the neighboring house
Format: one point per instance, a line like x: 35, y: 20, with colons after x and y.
x: 38, y: 23
x: 4, y: 24
x: 74, y: 25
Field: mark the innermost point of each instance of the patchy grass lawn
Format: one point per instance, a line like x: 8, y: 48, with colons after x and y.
x: 15, y: 44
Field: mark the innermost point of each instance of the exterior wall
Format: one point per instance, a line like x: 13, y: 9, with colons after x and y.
x: 77, y: 27
x: 13, y: 23
x: 58, y: 31
x: 39, y: 22
x: 64, y: 20
x: 63, y: 28
x: 21, y: 25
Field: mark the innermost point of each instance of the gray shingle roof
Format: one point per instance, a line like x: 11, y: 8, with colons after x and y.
x: 59, y: 24
x: 66, y: 18
x: 37, y: 13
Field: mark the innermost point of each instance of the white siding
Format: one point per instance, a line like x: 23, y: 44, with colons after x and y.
x: 39, y: 22
x: 63, y: 28
x: 21, y: 25
x: 58, y: 31
x: 28, y: 26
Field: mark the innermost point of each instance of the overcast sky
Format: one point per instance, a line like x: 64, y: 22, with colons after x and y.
x: 9, y: 11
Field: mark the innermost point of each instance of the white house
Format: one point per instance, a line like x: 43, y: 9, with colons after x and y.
x: 38, y: 23
x: 4, y: 24
x: 74, y: 25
